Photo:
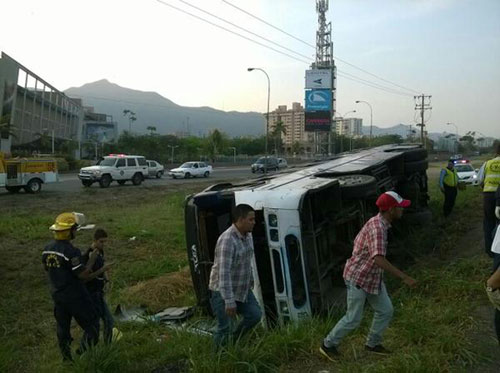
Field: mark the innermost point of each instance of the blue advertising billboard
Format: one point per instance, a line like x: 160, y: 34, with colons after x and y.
x: 318, y: 100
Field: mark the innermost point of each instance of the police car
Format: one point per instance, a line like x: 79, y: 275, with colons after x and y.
x: 115, y: 167
x: 465, y: 172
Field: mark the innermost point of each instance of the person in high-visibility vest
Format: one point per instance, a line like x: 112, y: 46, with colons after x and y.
x: 489, y: 179
x: 448, y: 183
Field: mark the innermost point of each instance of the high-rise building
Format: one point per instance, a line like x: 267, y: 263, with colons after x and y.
x: 293, y: 122
x: 349, y: 126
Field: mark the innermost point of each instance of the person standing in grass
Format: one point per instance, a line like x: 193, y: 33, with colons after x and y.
x: 66, y: 271
x: 489, y: 179
x: 231, y: 278
x: 96, y: 281
x: 493, y: 283
x: 363, y: 276
x: 448, y: 183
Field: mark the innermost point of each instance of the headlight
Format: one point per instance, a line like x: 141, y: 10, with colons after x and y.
x: 97, y: 172
x: 474, y: 176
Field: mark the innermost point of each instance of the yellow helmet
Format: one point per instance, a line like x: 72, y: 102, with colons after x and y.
x: 67, y: 220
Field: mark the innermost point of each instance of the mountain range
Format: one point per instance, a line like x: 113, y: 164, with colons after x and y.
x: 152, y: 109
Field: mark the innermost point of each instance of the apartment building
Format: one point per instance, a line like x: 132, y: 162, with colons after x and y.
x: 349, y: 126
x: 293, y: 122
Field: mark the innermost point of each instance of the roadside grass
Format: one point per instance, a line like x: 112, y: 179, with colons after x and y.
x: 429, y: 331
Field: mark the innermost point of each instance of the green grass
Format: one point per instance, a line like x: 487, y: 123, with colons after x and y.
x: 429, y: 331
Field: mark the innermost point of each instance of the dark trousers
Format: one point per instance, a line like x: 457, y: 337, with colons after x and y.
x: 104, y: 314
x: 489, y: 220
x: 450, y: 195
x: 82, y: 310
x: 250, y: 310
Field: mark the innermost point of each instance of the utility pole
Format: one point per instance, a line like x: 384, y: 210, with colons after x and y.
x: 422, y: 103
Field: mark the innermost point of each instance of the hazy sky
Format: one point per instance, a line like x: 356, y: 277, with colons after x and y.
x: 449, y: 49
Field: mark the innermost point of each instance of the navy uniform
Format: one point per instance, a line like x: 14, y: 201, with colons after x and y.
x: 63, y: 263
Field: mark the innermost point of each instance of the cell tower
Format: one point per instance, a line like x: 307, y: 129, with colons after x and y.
x: 324, y: 47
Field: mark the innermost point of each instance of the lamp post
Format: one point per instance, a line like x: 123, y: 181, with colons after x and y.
x: 267, y: 116
x: 173, y: 147
x: 371, y: 118
x: 341, y: 139
x: 234, y: 153
x: 53, y: 139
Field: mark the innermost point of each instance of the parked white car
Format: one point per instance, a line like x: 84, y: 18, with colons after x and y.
x: 466, y: 173
x: 155, y: 169
x: 191, y: 169
x: 282, y: 163
x: 115, y: 167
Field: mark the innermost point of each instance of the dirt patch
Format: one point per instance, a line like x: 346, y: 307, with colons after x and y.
x: 160, y: 292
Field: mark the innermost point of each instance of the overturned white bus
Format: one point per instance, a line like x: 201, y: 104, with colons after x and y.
x: 306, y: 221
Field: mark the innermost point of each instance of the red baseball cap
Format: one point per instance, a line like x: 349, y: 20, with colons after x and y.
x: 388, y: 200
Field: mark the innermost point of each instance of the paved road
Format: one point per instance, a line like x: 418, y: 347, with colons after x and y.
x: 69, y: 183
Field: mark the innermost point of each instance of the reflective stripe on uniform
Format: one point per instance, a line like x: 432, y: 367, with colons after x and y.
x: 78, y: 266
x: 55, y: 253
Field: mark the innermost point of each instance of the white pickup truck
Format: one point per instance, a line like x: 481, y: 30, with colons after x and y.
x: 191, y: 169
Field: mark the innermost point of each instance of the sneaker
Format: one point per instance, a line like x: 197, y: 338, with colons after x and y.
x: 378, y: 349
x: 331, y: 353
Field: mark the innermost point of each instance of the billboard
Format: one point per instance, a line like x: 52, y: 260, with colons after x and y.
x: 319, y: 79
x: 318, y: 100
x: 318, y: 120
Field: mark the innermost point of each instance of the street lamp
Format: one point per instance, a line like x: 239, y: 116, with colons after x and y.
x: 234, y: 153
x: 53, y: 138
x: 371, y: 118
x: 267, y: 117
x: 173, y: 147
x: 341, y: 139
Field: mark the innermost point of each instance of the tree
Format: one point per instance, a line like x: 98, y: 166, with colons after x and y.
x: 215, y: 142
x: 131, y: 118
x: 279, y: 128
x: 6, y: 129
x: 296, y: 147
x: 151, y: 129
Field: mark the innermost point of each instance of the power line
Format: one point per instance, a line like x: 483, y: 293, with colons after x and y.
x: 242, y: 28
x: 372, y: 84
x: 232, y: 32
x: 313, y: 46
x: 269, y: 24
x: 353, y: 78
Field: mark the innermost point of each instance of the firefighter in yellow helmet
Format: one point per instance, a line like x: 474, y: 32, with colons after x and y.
x: 62, y: 261
x: 489, y: 179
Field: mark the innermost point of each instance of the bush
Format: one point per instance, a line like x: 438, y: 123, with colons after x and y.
x: 76, y: 164
x: 62, y: 164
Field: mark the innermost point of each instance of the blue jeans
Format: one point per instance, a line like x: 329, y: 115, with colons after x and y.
x: 250, y: 310
x: 104, y: 315
x: 381, y: 304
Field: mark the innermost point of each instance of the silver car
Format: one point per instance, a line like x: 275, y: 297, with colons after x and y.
x: 155, y: 169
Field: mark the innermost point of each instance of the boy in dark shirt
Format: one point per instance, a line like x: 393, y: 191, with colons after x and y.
x: 95, y: 285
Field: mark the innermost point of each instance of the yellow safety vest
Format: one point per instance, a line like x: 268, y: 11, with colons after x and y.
x: 451, y: 178
x: 491, y: 175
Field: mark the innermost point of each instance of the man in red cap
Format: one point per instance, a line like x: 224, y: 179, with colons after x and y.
x: 363, y: 275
